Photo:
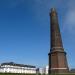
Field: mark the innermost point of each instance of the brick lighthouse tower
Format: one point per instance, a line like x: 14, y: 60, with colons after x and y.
x: 57, y: 56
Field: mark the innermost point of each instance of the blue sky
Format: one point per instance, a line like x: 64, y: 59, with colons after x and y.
x: 25, y: 30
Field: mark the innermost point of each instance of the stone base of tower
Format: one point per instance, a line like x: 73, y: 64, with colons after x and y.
x: 59, y: 71
x: 58, y: 62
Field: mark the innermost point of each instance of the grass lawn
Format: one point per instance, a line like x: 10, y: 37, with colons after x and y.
x: 33, y: 74
x: 15, y: 74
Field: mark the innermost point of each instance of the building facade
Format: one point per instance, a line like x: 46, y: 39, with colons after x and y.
x: 12, y: 67
x: 43, y: 70
x: 46, y: 69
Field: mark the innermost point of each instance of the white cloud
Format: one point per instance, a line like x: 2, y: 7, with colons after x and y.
x: 69, y: 19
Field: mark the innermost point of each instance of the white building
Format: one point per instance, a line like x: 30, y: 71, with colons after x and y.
x: 44, y: 70
x: 41, y: 70
x: 12, y: 67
